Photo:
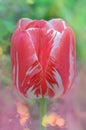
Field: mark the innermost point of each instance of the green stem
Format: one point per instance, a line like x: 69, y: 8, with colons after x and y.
x: 43, y: 104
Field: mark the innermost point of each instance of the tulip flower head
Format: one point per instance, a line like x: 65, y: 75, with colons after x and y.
x: 43, y: 57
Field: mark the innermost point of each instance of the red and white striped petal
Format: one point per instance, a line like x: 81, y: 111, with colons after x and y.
x: 63, y: 56
x: 58, y: 25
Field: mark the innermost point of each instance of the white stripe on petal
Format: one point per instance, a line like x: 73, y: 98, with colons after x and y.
x: 71, y: 62
x: 17, y: 71
x: 31, y: 69
x: 58, y: 78
x: 64, y: 24
x: 30, y: 29
x: 30, y: 38
x: 36, y: 69
x: 55, y: 44
x: 57, y: 89
x: 31, y: 92
x: 14, y: 72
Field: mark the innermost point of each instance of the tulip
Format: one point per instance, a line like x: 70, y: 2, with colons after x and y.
x: 43, y: 57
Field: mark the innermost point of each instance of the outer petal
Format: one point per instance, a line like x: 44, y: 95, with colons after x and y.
x: 23, y: 23
x: 58, y: 25
x: 24, y: 61
x: 63, y: 53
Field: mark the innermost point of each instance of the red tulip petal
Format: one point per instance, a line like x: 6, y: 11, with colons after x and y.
x: 23, y: 23
x: 58, y: 24
x: 42, y: 42
x: 63, y: 52
x: 25, y: 59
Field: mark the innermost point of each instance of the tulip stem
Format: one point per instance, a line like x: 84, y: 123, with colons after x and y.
x: 43, y: 104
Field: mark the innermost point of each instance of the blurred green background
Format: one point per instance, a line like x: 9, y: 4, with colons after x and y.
x: 73, y: 11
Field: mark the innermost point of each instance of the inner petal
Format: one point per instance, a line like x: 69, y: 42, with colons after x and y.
x: 42, y: 42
